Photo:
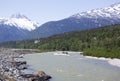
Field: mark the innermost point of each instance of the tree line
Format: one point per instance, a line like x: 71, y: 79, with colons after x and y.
x: 100, y: 42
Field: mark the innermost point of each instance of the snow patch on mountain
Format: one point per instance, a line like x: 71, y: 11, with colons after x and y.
x: 20, y: 21
x: 111, y: 12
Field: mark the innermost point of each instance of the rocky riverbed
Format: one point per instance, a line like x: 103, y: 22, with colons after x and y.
x: 12, y: 70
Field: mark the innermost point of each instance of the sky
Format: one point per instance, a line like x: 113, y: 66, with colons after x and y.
x: 50, y: 10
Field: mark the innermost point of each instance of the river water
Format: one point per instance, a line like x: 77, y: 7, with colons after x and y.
x: 73, y: 67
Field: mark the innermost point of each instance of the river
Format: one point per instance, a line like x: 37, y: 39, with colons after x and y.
x: 73, y: 67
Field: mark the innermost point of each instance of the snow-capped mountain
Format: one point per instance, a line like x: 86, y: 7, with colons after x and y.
x: 17, y: 27
x: 109, y: 12
x: 81, y: 21
x: 19, y: 21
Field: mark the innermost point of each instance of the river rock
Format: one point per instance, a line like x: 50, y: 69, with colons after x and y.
x: 44, y: 75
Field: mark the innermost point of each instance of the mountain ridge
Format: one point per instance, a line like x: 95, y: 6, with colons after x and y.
x: 111, y: 9
x: 82, y: 21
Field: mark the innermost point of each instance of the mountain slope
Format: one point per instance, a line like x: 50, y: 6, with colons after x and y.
x: 12, y: 33
x: 81, y: 21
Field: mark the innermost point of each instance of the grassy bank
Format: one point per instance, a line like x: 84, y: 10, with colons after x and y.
x: 101, y: 52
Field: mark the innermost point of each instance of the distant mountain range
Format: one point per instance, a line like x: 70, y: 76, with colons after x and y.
x: 19, y: 27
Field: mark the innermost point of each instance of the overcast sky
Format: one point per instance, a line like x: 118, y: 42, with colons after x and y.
x: 50, y: 10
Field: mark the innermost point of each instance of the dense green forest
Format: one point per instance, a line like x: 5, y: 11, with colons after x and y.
x: 100, y: 42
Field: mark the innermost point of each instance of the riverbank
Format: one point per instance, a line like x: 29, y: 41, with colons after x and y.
x: 114, y: 61
x: 111, y: 61
x: 12, y: 69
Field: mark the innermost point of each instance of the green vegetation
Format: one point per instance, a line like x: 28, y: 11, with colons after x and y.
x: 100, y: 42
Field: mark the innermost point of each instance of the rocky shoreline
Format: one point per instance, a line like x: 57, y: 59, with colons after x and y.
x: 12, y: 69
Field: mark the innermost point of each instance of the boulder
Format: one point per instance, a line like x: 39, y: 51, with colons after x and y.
x: 44, y: 75
x: 40, y: 76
